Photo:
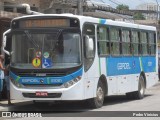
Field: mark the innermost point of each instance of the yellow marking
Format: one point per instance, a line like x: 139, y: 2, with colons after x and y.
x: 36, y: 62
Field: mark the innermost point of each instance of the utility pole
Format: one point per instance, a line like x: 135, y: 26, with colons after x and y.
x: 157, y: 11
x: 80, y: 7
x: 158, y: 22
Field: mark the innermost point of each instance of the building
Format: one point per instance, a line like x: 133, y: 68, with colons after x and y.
x: 10, y: 9
x: 60, y: 6
x: 149, y: 10
x: 14, y: 5
x: 151, y: 14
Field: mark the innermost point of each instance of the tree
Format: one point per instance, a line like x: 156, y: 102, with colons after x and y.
x: 138, y: 16
x: 122, y: 7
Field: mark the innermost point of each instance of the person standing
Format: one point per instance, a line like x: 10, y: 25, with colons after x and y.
x: 1, y: 62
x: 1, y: 80
x: 6, y: 77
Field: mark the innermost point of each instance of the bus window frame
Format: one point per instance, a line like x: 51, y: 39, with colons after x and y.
x: 142, y: 43
x: 130, y: 41
x: 119, y: 28
x: 154, y: 43
x: 139, y: 45
x: 106, y: 41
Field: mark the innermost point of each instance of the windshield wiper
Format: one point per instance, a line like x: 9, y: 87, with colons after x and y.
x: 30, y: 38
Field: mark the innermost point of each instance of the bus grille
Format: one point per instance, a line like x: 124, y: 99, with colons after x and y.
x: 34, y: 74
x: 44, y: 86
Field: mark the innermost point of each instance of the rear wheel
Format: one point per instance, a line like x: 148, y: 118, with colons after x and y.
x: 141, y: 90
x: 97, y: 102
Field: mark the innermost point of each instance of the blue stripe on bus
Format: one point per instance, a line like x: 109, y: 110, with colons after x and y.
x: 102, y: 21
x: 130, y: 65
x: 46, y: 80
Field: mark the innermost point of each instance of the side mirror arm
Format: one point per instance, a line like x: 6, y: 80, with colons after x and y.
x: 5, y: 41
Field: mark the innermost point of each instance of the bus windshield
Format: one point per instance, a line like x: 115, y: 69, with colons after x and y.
x: 46, y: 50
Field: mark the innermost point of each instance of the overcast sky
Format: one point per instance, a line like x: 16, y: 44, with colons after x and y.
x: 131, y: 3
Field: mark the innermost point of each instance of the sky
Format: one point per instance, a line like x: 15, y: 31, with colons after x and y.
x: 131, y: 3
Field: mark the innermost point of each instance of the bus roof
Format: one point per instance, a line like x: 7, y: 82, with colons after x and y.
x: 84, y: 19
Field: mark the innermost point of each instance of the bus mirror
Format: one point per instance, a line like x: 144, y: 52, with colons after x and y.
x: 89, y: 47
x: 5, y: 41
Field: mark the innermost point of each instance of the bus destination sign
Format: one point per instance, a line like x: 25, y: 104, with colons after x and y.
x: 40, y: 23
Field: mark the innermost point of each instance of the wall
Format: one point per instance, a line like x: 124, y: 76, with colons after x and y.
x: 33, y: 3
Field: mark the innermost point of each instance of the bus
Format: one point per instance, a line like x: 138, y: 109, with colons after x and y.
x: 67, y: 57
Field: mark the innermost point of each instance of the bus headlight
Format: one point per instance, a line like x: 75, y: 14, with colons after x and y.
x: 16, y: 83
x: 71, y: 82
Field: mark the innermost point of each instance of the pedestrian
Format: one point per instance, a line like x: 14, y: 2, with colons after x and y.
x: 1, y: 80
x: 6, y: 71
x: 1, y: 62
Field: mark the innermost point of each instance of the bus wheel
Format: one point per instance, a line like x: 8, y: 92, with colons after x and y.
x: 97, y: 102
x: 141, y: 88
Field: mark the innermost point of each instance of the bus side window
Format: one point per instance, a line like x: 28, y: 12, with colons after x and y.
x: 152, y: 45
x: 103, y: 40
x: 115, y: 41
x: 155, y: 38
x: 144, y: 43
x: 126, y: 42
x: 135, y: 43
x: 140, y: 46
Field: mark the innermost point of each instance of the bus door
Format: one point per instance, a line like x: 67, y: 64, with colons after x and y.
x: 90, y: 60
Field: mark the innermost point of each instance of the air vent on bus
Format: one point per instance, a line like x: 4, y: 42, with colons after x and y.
x: 33, y: 74
x: 42, y: 86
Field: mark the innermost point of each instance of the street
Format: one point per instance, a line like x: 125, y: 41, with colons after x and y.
x: 151, y: 102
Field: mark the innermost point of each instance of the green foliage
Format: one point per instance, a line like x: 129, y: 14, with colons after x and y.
x: 122, y: 7
x: 138, y: 16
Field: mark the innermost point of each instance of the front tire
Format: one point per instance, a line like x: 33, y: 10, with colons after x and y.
x: 97, y: 102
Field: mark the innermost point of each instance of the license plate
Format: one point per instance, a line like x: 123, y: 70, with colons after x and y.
x: 41, y: 94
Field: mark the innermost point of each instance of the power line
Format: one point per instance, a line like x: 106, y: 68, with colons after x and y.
x: 119, y: 2
x: 114, y: 2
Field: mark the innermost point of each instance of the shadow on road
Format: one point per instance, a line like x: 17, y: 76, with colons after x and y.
x: 112, y: 100
x: 65, y: 106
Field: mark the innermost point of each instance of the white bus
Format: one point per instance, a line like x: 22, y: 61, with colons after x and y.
x: 70, y: 57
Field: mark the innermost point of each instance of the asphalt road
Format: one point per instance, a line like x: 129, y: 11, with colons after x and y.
x: 114, y: 106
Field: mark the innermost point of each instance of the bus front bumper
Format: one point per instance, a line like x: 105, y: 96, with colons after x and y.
x: 74, y: 92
